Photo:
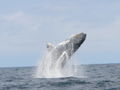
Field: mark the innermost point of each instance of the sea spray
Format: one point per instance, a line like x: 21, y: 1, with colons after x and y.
x: 50, y: 68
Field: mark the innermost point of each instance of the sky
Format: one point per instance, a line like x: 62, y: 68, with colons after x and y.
x: 26, y: 26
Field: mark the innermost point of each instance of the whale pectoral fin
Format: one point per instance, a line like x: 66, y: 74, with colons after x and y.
x: 50, y: 46
x: 62, y: 59
x: 65, y: 57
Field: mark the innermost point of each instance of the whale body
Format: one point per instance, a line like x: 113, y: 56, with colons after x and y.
x: 64, y: 50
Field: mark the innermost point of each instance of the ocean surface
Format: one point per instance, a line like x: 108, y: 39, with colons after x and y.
x: 98, y: 77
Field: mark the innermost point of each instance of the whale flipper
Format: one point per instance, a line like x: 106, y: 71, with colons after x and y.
x: 50, y: 46
x: 62, y: 59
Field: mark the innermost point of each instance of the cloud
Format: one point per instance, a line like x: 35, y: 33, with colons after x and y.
x: 28, y: 33
x: 21, y: 32
x: 18, y: 17
x: 17, y: 33
x: 104, y: 39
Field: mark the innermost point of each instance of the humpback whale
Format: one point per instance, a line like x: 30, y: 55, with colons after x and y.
x: 66, y: 48
x: 55, y: 62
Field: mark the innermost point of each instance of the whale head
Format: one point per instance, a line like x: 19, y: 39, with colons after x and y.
x: 77, y: 40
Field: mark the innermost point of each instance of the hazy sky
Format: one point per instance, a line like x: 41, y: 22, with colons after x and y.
x: 26, y: 26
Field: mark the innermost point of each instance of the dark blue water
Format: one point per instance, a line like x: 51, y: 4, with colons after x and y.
x: 99, y: 77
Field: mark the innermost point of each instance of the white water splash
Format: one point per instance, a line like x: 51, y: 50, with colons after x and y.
x: 50, y: 68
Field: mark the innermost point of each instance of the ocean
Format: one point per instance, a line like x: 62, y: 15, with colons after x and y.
x: 98, y: 77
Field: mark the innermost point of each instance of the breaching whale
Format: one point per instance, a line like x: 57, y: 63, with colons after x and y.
x: 64, y: 50
x: 55, y: 62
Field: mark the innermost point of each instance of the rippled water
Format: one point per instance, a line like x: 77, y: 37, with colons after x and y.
x: 99, y: 77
